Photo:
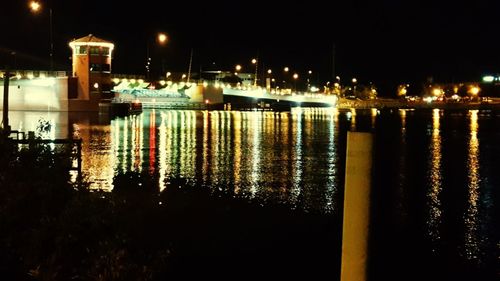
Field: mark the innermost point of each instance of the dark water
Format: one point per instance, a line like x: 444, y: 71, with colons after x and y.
x: 435, y: 182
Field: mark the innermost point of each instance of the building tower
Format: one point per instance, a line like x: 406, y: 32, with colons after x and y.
x: 92, y: 68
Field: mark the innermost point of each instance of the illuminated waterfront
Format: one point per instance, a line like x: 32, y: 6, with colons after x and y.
x: 435, y: 171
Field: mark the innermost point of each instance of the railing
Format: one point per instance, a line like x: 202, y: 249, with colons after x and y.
x: 74, y: 144
x: 31, y: 74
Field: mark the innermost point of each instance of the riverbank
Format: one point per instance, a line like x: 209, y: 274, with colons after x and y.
x: 403, y: 104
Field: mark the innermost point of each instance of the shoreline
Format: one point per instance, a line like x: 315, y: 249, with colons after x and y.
x: 398, y: 104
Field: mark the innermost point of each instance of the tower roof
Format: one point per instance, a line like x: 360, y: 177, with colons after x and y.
x: 90, y: 39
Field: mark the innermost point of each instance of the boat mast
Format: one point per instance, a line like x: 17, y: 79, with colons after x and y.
x: 190, y: 63
x: 333, y: 63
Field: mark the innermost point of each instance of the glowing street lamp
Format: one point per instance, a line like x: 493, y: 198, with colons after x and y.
x: 474, y: 90
x: 256, y: 62
x: 162, y: 38
x: 295, y: 77
x: 35, y: 7
x: 309, y: 80
x: 238, y: 67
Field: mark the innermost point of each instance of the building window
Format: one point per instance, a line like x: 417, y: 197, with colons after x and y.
x: 94, y: 51
x: 97, y: 67
x: 105, y: 51
x: 81, y: 50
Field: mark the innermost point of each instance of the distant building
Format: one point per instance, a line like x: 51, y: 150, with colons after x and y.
x: 92, y: 66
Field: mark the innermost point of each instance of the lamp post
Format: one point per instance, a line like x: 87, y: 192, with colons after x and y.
x: 354, y: 82
x: 269, y: 79
x: 161, y: 39
x: 237, y: 69
x: 295, y: 77
x: 256, y: 62
x: 285, y: 71
x: 309, y: 80
x: 35, y: 7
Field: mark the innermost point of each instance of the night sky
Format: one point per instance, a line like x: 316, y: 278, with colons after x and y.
x: 384, y: 42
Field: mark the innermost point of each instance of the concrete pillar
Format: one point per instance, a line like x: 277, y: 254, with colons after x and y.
x: 356, y: 207
x: 6, y: 125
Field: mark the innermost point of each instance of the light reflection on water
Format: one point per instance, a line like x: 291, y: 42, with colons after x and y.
x: 295, y: 158
x: 471, y: 216
x: 268, y: 156
x: 435, y: 177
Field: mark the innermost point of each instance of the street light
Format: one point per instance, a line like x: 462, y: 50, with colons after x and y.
x: 238, y: 69
x: 354, y: 81
x: 256, y: 62
x: 35, y: 7
x: 161, y: 39
x: 268, y: 79
x: 286, y: 69
x: 309, y: 80
x: 295, y: 77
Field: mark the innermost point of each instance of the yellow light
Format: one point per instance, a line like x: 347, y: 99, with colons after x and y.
x: 162, y: 82
x: 35, y: 6
x: 96, y: 85
x: 436, y: 92
x: 116, y: 80
x: 354, y: 80
x: 286, y: 69
x: 254, y: 61
x: 183, y: 76
x: 168, y: 74
x: 269, y: 71
x: 238, y: 67
x: 474, y: 90
x: 295, y: 76
x: 162, y: 38
x: 140, y: 81
x: 74, y: 44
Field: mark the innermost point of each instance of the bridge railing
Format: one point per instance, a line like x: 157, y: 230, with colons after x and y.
x: 32, y: 74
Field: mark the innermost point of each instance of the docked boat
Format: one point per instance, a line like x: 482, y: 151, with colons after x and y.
x: 119, y: 108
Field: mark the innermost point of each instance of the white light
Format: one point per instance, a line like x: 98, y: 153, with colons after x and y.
x: 43, y: 82
x: 111, y: 46
x: 96, y: 85
x: 488, y: 78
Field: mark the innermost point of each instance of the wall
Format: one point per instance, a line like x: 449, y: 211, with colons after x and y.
x: 39, y: 94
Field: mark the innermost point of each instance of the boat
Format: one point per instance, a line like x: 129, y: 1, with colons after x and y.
x: 120, y: 108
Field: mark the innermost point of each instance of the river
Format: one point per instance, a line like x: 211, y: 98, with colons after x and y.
x: 435, y: 172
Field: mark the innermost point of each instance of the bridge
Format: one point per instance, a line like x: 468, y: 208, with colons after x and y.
x: 298, y: 98
x: 194, y: 95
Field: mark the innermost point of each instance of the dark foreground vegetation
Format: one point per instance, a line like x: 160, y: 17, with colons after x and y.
x: 53, y: 229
